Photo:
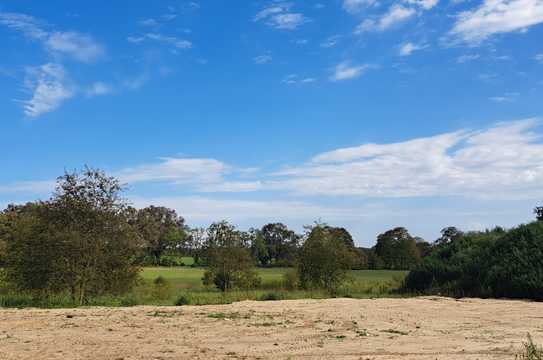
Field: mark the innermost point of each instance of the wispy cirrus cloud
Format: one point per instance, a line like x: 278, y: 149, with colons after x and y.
x: 48, y: 84
x: 505, y: 98
x: 173, y: 41
x: 279, y: 16
x: 395, y: 15
x: 73, y: 44
x: 355, y: 6
x: 407, y: 48
x: 467, y: 58
x: 295, y: 79
x: 504, y: 161
x: 330, y: 41
x: 495, y: 17
x: 262, y: 59
x: 49, y: 89
x: 347, y: 70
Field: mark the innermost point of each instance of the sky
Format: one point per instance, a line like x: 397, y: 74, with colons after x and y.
x: 366, y: 114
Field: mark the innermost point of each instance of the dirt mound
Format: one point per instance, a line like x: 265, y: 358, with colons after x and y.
x: 416, y: 328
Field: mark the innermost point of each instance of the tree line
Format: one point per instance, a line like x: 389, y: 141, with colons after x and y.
x: 87, y: 241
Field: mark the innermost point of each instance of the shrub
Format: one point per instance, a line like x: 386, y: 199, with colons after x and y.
x: 493, y: 263
x: 290, y: 279
x: 182, y: 300
x: 271, y: 296
x: 161, y: 288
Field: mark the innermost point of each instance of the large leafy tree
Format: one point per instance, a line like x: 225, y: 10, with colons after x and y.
x: 281, y: 244
x: 230, y: 264
x: 397, y: 249
x: 161, y: 229
x: 324, y: 260
x: 80, y: 241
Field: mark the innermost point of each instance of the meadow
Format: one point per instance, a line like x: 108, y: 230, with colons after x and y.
x: 186, y: 282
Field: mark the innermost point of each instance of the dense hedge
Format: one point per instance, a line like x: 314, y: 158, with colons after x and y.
x: 494, y: 263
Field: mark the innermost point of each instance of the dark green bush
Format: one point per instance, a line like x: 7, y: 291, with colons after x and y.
x: 493, y: 263
x: 272, y: 296
x: 182, y: 300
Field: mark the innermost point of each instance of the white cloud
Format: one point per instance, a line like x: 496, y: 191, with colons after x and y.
x: 26, y: 24
x: 330, y: 41
x: 467, y: 57
x: 160, y: 38
x: 178, y: 171
x: 504, y: 161
x: 81, y: 47
x: 29, y: 187
x: 505, y: 98
x: 295, y: 79
x: 424, y: 4
x: 149, y: 22
x: 262, y: 59
x: 203, y: 209
x: 495, y: 17
x: 396, y: 14
x: 539, y: 57
x: 47, y: 83
x: 354, y: 6
x: 346, y: 70
x: 278, y: 16
x: 99, y: 88
x: 408, y: 48
x: 272, y: 10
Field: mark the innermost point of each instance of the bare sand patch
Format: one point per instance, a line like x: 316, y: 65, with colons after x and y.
x: 416, y: 328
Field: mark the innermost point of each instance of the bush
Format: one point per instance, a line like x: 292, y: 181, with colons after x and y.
x: 493, y: 263
x: 182, y: 300
x: 271, y: 296
x: 290, y: 279
x: 161, y: 288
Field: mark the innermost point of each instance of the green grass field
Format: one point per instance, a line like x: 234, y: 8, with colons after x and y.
x: 187, y: 281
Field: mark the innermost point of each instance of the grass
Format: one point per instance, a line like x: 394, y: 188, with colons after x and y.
x: 530, y: 351
x: 183, y: 286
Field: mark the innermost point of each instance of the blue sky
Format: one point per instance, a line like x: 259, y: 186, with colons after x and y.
x: 366, y: 114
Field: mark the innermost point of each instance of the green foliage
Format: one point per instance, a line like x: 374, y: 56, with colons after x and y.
x: 493, y: 263
x: 291, y: 279
x: 182, y: 300
x: 272, y: 296
x: 80, y: 241
x: 397, y: 249
x: 161, y: 230
x: 275, y: 245
x: 324, y: 260
x: 230, y: 264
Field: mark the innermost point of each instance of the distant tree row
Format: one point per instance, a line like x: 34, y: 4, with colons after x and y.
x: 87, y: 241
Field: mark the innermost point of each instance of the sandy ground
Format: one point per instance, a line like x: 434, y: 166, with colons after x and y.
x: 417, y: 328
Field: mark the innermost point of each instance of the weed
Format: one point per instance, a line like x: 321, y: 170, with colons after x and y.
x: 530, y: 351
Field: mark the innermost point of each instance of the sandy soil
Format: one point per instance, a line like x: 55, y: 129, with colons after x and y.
x: 418, y: 328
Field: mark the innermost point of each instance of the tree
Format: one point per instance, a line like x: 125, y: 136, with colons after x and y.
x: 324, y: 260
x: 196, y: 243
x: 538, y: 211
x: 259, y: 251
x: 161, y: 229
x: 397, y: 249
x: 360, y: 259
x: 448, y: 235
x: 80, y: 241
x: 281, y: 244
x: 230, y: 264
x: 424, y: 247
